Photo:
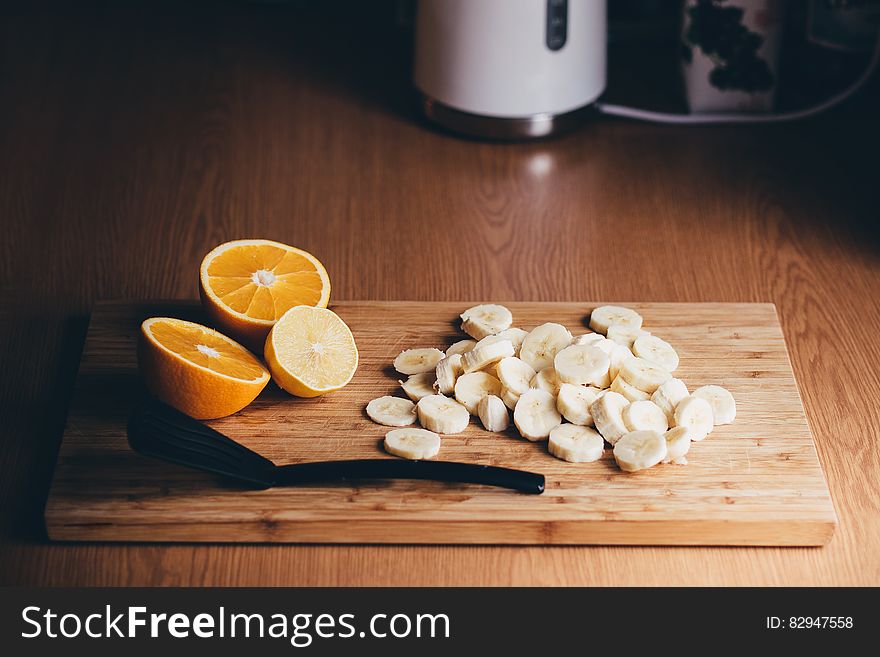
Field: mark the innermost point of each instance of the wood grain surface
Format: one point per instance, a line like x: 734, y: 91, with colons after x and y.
x: 754, y: 482
x: 137, y: 136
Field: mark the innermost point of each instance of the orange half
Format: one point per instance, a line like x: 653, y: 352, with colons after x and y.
x: 196, y: 369
x: 247, y: 285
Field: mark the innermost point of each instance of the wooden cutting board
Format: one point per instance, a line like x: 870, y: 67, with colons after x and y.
x: 755, y: 482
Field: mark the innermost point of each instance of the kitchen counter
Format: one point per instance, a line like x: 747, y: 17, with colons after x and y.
x: 129, y: 152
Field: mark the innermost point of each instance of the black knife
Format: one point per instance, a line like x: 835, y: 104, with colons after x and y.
x: 158, y: 430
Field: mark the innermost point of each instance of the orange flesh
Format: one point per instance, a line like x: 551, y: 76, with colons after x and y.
x: 230, y: 359
x: 291, y: 281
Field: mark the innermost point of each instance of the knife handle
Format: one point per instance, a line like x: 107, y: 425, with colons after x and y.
x: 469, y: 473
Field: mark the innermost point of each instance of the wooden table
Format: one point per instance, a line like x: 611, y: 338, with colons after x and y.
x: 135, y: 139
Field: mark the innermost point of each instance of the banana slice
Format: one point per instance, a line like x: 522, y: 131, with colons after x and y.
x: 417, y: 361
x: 485, y: 355
x: 546, y: 380
x: 575, y: 444
x: 678, y: 442
x: 392, y: 411
x: 493, y: 413
x: 482, y: 321
x: 625, y: 335
x: 443, y: 415
x: 515, y: 374
x: 639, y: 450
x: 509, y: 398
x: 587, y: 338
x: 618, y: 354
x: 643, y: 374
x: 605, y: 316
x: 657, y: 351
x: 645, y: 416
x: 412, y: 443
x: 721, y: 401
x: 574, y: 402
x: 581, y: 364
x: 630, y: 392
x: 461, y: 347
x: 695, y: 414
x: 668, y: 395
x: 516, y: 337
x: 607, y: 412
x: 472, y: 387
x: 448, y: 370
x: 535, y: 415
x: 541, y: 345
x: 418, y: 385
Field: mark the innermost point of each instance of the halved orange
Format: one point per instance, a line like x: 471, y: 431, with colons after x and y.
x: 246, y: 285
x: 196, y: 369
x: 311, y: 351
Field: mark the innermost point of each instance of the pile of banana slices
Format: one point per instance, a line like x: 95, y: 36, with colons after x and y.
x: 576, y: 392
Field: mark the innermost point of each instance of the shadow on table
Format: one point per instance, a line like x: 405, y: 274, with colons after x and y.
x: 38, y: 420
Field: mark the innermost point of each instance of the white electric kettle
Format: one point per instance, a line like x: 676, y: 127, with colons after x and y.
x: 509, y: 69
